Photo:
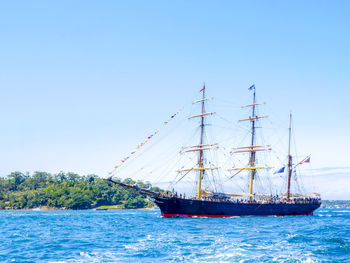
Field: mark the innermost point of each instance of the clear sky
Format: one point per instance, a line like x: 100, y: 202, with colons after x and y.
x: 83, y: 82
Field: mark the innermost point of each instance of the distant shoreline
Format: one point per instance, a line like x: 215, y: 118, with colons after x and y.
x: 67, y: 191
x: 337, y: 204
x: 61, y: 209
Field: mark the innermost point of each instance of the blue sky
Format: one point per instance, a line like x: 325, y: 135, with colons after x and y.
x: 83, y: 82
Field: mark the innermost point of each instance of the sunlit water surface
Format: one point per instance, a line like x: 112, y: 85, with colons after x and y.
x: 143, y: 236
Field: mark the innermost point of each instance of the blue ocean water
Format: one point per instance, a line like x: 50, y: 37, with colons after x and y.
x: 143, y: 236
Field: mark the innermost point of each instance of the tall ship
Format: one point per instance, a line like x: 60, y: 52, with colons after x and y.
x: 208, y: 202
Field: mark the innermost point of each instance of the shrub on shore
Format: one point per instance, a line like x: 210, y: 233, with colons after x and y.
x: 65, y: 191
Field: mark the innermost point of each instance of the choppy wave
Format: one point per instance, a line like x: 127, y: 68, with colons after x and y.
x: 143, y: 236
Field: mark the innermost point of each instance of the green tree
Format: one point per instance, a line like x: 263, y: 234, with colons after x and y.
x: 67, y: 190
x: 135, y: 203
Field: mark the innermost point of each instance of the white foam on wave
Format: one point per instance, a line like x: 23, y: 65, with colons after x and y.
x: 309, y: 260
x: 293, y: 259
x: 221, y: 257
x: 98, y: 256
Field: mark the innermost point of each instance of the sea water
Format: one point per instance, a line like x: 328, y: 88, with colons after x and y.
x: 143, y: 236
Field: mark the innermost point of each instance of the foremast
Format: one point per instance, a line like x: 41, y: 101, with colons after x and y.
x: 201, y: 147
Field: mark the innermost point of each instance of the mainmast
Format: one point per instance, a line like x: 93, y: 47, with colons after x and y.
x: 252, y: 149
x: 290, y: 170
x: 200, y: 157
x: 252, y: 154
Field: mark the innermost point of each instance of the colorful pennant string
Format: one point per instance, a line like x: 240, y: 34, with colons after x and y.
x: 144, y: 142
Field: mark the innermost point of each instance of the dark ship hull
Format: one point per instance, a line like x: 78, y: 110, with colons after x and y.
x: 178, y: 207
x: 212, y: 204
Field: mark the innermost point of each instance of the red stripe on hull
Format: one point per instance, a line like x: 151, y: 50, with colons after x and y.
x: 187, y: 215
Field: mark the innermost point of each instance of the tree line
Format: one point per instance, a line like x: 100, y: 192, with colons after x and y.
x: 67, y: 191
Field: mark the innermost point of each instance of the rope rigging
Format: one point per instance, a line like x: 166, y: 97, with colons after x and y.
x: 213, y: 177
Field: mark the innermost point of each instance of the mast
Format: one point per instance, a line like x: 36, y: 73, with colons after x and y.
x: 201, y: 147
x: 289, y: 158
x: 252, y: 154
x: 252, y: 149
x: 200, y: 157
